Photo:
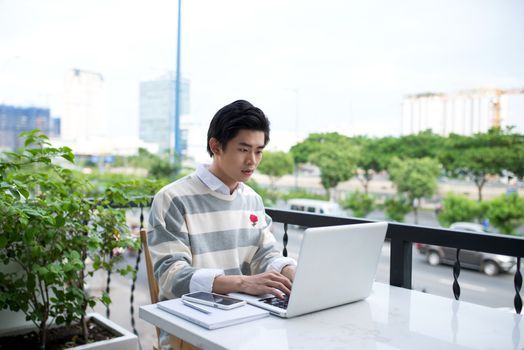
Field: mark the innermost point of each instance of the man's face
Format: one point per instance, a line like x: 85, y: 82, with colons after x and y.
x: 237, y: 162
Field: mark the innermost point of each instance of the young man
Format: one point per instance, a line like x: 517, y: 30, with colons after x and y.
x: 208, y: 231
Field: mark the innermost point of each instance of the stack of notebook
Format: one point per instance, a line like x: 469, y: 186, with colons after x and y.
x: 214, y: 318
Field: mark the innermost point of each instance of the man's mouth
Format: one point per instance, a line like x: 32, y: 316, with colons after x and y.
x: 247, y: 172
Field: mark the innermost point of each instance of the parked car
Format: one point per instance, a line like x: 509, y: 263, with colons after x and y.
x: 490, y: 264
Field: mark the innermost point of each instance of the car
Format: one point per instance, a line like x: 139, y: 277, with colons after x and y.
x: 490, y: 264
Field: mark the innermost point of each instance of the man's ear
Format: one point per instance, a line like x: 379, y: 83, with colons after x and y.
x: 215, y: 147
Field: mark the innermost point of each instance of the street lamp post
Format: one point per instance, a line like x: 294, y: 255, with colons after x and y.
x: 178, y: 141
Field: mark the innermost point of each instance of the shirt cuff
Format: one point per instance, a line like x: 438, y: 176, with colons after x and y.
x: 202, y: 280
x: 279, y: 263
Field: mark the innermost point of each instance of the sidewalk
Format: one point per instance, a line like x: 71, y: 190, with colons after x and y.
x: 120, y: 294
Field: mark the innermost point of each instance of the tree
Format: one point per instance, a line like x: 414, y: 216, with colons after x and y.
x: 416, y: 178
x: 334, y: 154
x: 457, y: 208
x: 361, y: 204
x: 421, y: 145
x: 162, y: 168
x: 478, y: 156
x: 275, y: 165
x: 397, y: 208
x: 336, y: 164
x: 373, y: 158
x: 506, y: 213
x: 158, y: 166
x: 515, y: 160
x: 303, y: 150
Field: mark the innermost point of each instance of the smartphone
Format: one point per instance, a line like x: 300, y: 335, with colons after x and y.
x: 215, y: 300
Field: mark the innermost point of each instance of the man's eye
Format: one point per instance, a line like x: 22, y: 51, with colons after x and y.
x: 243, y: 149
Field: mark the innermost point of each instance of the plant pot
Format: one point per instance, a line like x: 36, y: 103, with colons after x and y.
x: 124, y: 340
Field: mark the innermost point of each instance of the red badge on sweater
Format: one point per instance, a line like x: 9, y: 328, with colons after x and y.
x: 254, y: 219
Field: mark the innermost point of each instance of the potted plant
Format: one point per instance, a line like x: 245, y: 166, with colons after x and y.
x: 48, y: 227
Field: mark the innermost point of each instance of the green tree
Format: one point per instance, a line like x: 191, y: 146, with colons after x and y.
x: 361, y: 204
x: 478, y: 156
x: 302, y: 151
x: 158, y: 166
x: 416, y: 178
x: 162, y: 168
x: 373, y: 158
x: 397, y: 208
x: 514, y: 162
x: 333, y: 153
x: 275, y: 165
x: 421, y: 145
x: 506, y: 213
x: 457, y: 208
x: 336, y: 164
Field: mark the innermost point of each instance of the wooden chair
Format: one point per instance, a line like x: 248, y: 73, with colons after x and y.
x: 176, y: 343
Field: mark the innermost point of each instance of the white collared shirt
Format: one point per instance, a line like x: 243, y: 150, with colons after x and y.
x: 202, y: 279
x: 214, y: 183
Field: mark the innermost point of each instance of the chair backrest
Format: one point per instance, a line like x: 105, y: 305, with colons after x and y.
x: 153, y: 285
x: 176, y: 343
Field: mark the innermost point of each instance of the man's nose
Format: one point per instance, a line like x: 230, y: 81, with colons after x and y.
x: 251, y: 158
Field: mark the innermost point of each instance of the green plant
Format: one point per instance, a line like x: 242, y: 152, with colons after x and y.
x: 275, y: 165
x: 48, y: 227
x: 457, y: 208
x: 415, y: 178
x: 361, y: 204
x: 506, y: 213
x: 397, y: 208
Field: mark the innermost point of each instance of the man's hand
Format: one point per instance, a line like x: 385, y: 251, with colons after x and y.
x: 266, y: 283
x: 289, y: 272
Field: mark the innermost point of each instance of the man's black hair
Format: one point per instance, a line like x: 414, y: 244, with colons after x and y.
x: 230, y: 119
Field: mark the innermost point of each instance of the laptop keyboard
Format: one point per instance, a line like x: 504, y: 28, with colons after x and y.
x: 274, y: 301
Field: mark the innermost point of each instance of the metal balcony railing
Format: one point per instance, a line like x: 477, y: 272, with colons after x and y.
x: 402, y: 237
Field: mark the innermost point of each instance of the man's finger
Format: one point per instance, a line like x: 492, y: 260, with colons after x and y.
x: 282, y: 288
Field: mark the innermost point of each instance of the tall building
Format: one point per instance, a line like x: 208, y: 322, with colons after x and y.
x: 157, y: 111
x: 84, y: 107
x: 465, y: 112
x: 14, y: 120
x: 54, y: 131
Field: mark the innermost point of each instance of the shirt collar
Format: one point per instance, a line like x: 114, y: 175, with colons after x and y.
x: 213, y: 182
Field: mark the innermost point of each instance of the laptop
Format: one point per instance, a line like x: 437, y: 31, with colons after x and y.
x: 336, y: 266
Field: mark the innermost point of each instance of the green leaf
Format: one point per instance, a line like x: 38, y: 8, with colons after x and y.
x: 106, y: 300
x: 3, y: 241
x: 59, y: 221
x: 24, y: 192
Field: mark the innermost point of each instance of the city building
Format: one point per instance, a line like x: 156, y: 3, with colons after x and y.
x: 14, y: 120
x: 54, y: 131
x: 157, y: 111
x: 464, y: 112
x: 84, y: 116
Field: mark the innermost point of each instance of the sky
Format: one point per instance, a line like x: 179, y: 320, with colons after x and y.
x: 311, y: 66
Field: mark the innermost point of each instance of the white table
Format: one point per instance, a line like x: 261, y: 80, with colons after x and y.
x: 390, y: 318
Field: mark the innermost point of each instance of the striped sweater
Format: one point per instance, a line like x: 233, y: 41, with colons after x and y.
x: 192, y: 227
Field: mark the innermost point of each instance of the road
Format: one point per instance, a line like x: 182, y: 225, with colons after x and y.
x: 494, y: 291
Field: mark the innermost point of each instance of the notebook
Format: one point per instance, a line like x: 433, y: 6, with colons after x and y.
x: 336, y: 265
x: 216, y: 318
